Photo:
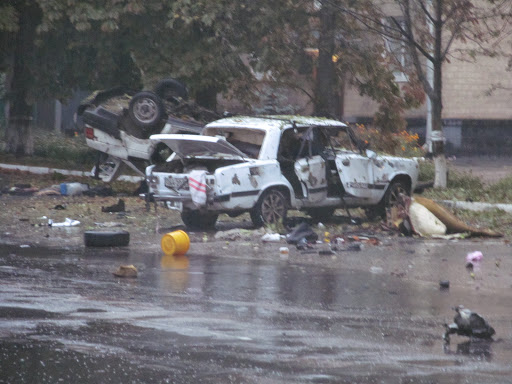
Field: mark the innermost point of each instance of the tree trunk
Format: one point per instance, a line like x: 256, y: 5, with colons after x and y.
x: 325, y: 103
x: 437, y: 103
x: 19, y: 127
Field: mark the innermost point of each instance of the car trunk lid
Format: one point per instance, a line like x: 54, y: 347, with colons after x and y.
x: 194, y: 146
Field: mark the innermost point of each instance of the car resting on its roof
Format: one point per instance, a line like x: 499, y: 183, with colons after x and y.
x: 269, y: 165
x: 119, y: 121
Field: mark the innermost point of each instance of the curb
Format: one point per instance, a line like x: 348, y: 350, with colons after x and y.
x: 476, y: 206
x: 47, y: 170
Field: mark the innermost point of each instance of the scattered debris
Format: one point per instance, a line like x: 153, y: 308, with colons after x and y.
x: 126, y: 271
x: 59, y: 207
x: 302, y: 234
x: 474, y: 257
x: 67, y: 223
x: 284, y: 252
x: 339, y: 241
x: 303, y: 244
x: 355, y: 246
x: 271, y: 238
x: 119, y: 207
x: 468, y: 323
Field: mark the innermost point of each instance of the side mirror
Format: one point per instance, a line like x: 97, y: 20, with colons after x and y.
x: 371, y: 154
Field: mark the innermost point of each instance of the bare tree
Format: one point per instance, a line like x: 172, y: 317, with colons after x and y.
x: 433, y: 32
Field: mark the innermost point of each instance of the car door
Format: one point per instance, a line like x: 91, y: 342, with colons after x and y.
x: 309, y: 166
x: 312, y: 175
x: 356, y: 174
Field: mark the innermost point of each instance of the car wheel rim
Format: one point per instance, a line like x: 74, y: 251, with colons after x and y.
x: 145, y: 110
x: 273, y: 208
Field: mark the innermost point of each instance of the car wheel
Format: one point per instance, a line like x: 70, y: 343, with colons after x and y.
x: 106, y: 239
x: 194, y: 219
x: 146, y: 109
x: 272, y: 207
x: 389, y: 200
x: 171, y: 90
x: 321, y: 213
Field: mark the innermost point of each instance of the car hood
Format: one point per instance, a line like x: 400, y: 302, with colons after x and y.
x: 195, y: 145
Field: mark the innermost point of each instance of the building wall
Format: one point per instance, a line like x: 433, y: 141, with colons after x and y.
x: 466, y: 86
x: 474, y: 120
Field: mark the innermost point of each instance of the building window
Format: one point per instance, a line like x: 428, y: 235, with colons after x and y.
x: 396, y: 50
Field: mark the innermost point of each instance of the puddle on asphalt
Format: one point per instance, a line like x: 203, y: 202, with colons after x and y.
x: 283, y: 306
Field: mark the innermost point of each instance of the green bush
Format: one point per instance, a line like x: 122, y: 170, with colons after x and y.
x: 427, y: 171
x: 501, y: 191
x: 66, y: 151
x: 464, y: 180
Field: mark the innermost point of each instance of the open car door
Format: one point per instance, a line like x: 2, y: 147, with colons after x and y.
x: 312, y: 176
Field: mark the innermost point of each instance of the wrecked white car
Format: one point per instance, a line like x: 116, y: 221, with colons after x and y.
x: 118, y: 123
x: 269, y: 165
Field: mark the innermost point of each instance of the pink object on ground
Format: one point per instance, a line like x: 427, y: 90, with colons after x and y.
x: 474, y: 256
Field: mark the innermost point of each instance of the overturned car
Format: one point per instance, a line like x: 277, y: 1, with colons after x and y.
x: 119, y: 121
x: 271, y: 164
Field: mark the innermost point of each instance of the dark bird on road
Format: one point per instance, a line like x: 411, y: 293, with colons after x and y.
x: 468, y: 323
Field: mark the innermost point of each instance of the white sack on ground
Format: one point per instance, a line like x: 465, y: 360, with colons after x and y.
x: 424, y: 222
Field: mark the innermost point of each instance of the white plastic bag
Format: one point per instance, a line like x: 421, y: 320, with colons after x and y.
x: 197, y: 187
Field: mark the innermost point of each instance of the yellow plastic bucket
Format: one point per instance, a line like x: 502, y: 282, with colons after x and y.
x: 175, y: 243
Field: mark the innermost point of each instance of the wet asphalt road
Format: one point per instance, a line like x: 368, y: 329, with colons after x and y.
x: 201, y: 318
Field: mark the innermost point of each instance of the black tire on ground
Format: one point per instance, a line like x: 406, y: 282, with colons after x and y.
x: 321, y: 213
x: 106, y: 239
x: 194, y: 219
x: 171, y: 90
x: 270, y: 208
x: 146, y: 109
